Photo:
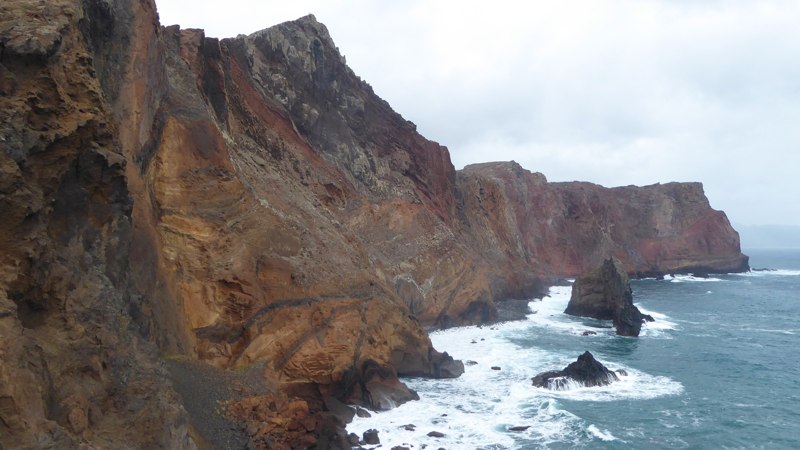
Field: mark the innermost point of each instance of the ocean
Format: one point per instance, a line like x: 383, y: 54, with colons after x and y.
x: 719, y: 368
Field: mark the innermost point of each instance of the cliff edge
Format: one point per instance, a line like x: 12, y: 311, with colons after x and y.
x: 251, y: 204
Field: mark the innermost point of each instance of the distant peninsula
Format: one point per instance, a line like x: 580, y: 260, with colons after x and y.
x: 209, y: 243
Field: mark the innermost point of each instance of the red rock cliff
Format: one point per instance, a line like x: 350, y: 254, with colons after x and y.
x: 251, y: 203
x: 523, y: 224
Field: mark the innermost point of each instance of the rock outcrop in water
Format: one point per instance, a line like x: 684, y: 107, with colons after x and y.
x: 605, y: 294
x: 252, y: 204
x: 585, y: 372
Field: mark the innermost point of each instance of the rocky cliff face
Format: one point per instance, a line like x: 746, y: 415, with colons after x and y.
x: 251, y: 203
x: 75, y: 366
x: 523, y: 224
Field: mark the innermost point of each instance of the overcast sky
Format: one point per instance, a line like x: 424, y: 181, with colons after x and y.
x: 613, y: 92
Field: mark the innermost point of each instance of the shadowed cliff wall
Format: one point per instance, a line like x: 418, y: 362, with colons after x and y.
x: 252, y: 201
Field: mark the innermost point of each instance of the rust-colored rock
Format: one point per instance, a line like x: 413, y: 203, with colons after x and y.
x: 251, y: 201
x: 75, y: 366
x: 530, y: 228
x: 275, y: 421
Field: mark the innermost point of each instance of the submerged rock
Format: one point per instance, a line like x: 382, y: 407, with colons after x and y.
x: 252, y: 200
x: 605, y: 294
x: 371, y: 437
x: 586, y: 371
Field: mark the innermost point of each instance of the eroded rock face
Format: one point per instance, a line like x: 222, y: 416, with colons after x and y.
x: 75, y: 362
x: 251, y: 201
x: 585, y: 372
x: 605, y: 294
x: 528, y: 227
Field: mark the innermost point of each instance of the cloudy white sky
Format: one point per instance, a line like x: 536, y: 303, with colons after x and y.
x: 614, y: 92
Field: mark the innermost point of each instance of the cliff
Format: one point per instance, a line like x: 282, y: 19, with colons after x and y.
x: 252, y: 204
x: 523, y: 224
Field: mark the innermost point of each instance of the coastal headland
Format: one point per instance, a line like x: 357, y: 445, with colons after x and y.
x: 247, y: 215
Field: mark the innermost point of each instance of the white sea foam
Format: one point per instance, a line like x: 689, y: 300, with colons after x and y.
x: 636, y: 385
x: 549, y: 313
x: 770, y: 273
x: 604, y: 435
x: 659, y: 327
x: 690, y: 278
x: 477, y: 409
x: 766, y: 330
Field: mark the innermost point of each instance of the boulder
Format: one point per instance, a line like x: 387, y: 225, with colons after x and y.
x: 586, y: 371
x: 371, y: 437
x: 444, y: 366
x: 340, y: 410
x: 605, y: 294
x: 363, y: 413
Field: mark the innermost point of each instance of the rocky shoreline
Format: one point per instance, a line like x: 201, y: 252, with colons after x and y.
x: 251, y: 202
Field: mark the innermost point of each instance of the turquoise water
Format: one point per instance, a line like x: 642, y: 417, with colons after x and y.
x: 718, y: 369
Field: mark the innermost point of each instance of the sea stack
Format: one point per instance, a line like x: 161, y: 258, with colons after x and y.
x: 605, y: 294
x: 586, y: 371
x: 251, y: 205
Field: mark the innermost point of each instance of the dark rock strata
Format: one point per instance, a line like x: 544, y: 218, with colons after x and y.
x: 586, y: 371
x: 251, y: 202
x: 606, y: 294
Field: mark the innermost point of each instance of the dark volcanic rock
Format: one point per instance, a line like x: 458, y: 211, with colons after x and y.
x: 446, y: 367
x: 436, y: 434
x: 606, y: 294
x: 382, y: 390
x: 519, y: 428
x: 244, y: 200
x: 371, y: 437
x: 343, y: 412
x: 586, y: 370
x: 512, y: 309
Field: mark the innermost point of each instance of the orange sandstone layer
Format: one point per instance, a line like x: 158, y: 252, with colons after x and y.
x: 252, y: 204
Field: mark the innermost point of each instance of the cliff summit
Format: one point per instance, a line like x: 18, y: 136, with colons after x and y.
x: 249, y: 205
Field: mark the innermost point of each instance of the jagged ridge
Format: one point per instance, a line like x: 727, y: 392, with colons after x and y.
x: 251, y: 202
